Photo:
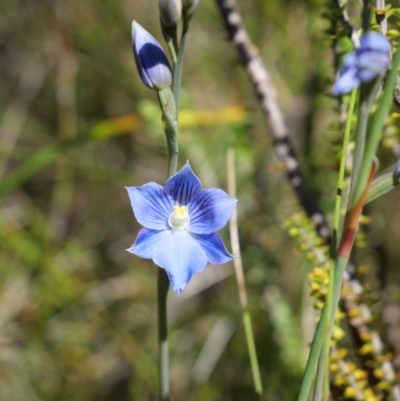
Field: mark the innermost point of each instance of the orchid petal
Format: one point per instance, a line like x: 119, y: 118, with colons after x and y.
x: 151, y: 205
x: 214, y: 248
x: 183, y: 186
x: 181, y: 256
x: 374, y: 41
x: 210, y: 210
x: 146, y: 242
x: 375, y: 62
x: 346, y: 82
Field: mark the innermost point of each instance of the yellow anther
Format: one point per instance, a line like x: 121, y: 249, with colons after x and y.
x: 179, y: 218
x: 180, y: 211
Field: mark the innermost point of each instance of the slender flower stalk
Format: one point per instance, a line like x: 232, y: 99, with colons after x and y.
x: 180, y: 219
x: 170, y: 15
x: 155, y: 72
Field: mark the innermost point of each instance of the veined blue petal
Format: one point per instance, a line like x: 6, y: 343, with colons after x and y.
x: 146, y: 242
x: 375, y: 62
x: 181, y: 256
x: 210, y: 210
x: 183, y: 186
x: 151, y: 205
x: 349, y: 61
x: 346, y: 82
x: 374, y: 41
x: 151, y: 61
x: 214, y: 248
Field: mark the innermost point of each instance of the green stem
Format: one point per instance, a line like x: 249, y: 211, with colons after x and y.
x: 321, y: 333
x: 176, y: 83
x: 329, y: 310
x: 170, y: 37
x: 313, y: 357
x: 333, y: 251
x: 367, y: 96
x: 340, y: 183
x: 319, y: 379
x: 169, y: 117
x: 172, y: 52
x: 163, y: 364
x: 171, y: 132
x: 252, y: 352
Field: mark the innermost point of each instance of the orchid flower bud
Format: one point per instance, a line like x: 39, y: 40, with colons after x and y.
x: 170, y: 12
x: 151, y: 61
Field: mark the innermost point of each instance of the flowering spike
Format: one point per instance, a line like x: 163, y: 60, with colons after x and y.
x: 151, y: 61
x: 364, y: 64
x: 170, y: 12
x: 179, y: 222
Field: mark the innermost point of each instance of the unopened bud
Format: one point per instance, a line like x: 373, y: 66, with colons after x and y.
x: 189, y: 7
x: 170, y: 12
x: 151, y: 61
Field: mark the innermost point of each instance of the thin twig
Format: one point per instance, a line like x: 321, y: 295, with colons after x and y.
x: 234, y: 231
x: 344, y: 17
x: 237, y: 261
x: 381, y: 16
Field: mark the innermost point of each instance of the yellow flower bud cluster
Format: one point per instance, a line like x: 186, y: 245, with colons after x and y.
x: 374, y: 381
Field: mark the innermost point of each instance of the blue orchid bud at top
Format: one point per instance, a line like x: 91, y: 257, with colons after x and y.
x: 151, y: 61
x: 363, y: 65
x: 170, y: 12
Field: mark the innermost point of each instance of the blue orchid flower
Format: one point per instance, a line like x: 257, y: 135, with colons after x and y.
x: 179, y: 223
x: 151, y: 61
x: 364, y: 64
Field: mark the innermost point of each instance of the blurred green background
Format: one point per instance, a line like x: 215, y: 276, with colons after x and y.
x: 78, y: 312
